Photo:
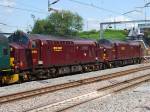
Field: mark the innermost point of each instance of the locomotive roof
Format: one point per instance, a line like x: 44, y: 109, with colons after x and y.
x: 38, y: 36
x: 44, y: 37
x: 57, y: 38
x: 84, y: 42
x: 52, y: 37
x: 133, y: 42
x: 108, y: 43
x: 111, y: 42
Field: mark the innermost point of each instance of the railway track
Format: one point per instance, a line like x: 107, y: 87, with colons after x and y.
x: 102, y: 92
x: 47, y: 89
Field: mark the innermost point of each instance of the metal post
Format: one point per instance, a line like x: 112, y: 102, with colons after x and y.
x: 145, y: 11
x: 114, y: 24
x: 87, y: 26
x: 101, y: 31
x: 48, y: 5
x: 145, y: 15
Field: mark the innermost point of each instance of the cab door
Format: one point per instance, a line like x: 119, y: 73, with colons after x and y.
x: 4, y: 57
x: 35, y: 52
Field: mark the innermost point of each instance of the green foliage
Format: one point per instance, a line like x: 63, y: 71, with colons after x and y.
x: 59, y: 23
x: 43, y: 27
x: 108, y: 34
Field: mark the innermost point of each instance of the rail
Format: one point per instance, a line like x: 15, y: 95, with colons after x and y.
x: 47, y: 89
x: 73, y: 102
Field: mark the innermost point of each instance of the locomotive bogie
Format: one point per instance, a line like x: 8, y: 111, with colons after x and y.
x: 9, y: 79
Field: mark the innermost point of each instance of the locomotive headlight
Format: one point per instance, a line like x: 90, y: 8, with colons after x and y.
x: 104, y: 49
x: 113, y: 50
x: 85, y: 54
x: 11, y: 49
x: 40, y: 62
x: 104, y: 55
x: 16, y: 67
x: 42, y: 43
x: 96, y: 58
x: 34, y: 52
x: 21, y: 64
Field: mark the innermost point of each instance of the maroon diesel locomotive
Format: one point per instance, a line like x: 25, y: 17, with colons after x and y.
x: 42, y: 56
x: 119, y: 53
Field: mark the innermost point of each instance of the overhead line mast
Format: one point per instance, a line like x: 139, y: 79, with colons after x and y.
x: 117, y: 22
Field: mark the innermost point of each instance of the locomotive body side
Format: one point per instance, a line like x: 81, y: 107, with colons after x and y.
x: 85, y: 52
x: 136, y: 49
x: 122, y: 50
x: 60, y: 53
x: 128, y: 53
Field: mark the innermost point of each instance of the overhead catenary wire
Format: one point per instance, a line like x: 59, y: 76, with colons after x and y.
x: 12, y: 26
x: 35, y: 10
x: 99, y: 8
x: 94, y: 6
x: 46, y: 12
x: 15, y: 26
x: 30, y: 6
x: 54, y: 2
x: 3, y: 24
x: 24, y: 9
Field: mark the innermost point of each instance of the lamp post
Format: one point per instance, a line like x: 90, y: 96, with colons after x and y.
x: 145, y: 10
x: 146, y: 5
x: 33, y: 17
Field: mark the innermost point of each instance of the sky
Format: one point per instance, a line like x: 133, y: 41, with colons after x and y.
x: 15, y: 17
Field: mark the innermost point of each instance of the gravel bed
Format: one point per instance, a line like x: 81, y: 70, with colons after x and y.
x: 58, y: 96
x: 36, y: 84
x: 93, y: 87
x: 132, y: 100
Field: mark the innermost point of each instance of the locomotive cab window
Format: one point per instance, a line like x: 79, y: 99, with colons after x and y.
x: 5, y: 52
x: 19, y: 38
x: 23, y: 40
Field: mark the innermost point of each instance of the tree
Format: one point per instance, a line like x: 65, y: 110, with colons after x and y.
x: 59, y: 23
x: 42, y: 27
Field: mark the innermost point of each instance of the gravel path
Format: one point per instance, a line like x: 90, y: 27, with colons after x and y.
x: 58, y: 96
